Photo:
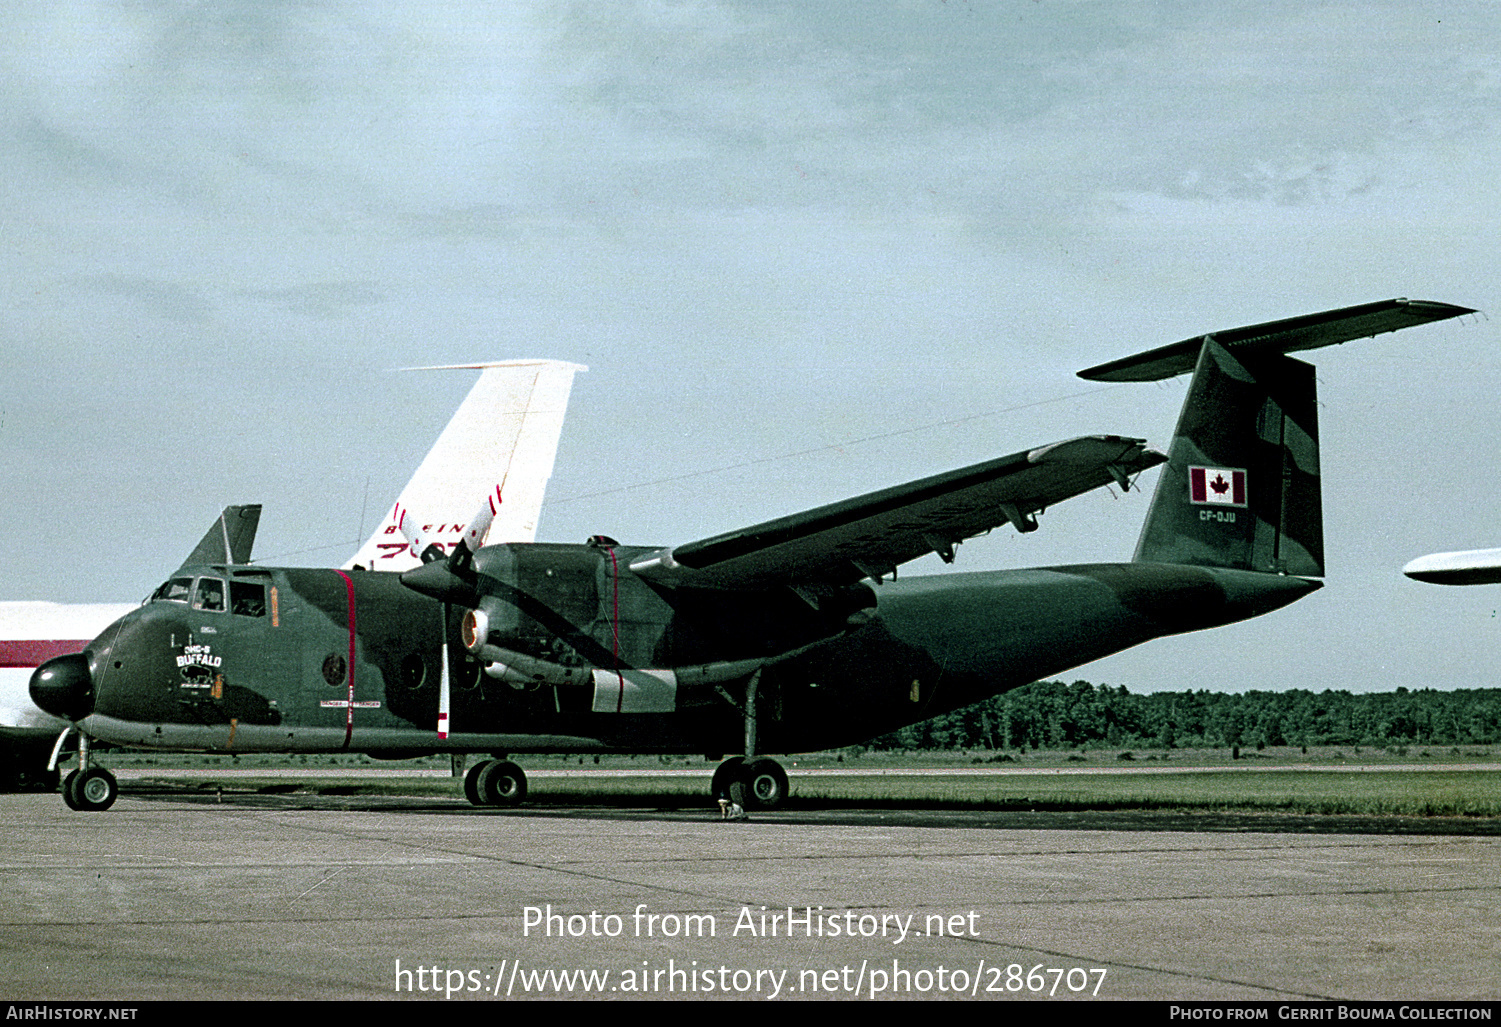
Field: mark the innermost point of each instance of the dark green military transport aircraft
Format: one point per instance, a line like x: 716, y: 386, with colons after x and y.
x: 784, y: 637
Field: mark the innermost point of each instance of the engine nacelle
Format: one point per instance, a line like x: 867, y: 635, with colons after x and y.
x: 474, y: 629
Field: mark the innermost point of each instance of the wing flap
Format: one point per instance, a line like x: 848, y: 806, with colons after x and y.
x: 1310, y: 331
x: 870, y: 535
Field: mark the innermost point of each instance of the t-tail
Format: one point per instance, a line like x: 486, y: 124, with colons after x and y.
x: 1240, y: 490
x: 1241, y: 486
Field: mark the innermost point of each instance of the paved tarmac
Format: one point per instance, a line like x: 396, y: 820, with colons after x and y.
x: 319, y: 897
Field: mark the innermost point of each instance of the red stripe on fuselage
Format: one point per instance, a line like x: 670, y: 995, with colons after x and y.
x: 33, y: 652
x: 349, y: 710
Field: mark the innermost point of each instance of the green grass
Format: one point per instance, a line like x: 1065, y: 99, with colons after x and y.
x: 1385, y: 793
x: 1405, y: 792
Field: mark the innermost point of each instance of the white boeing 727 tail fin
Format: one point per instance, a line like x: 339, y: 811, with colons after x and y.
x: 504, y: 436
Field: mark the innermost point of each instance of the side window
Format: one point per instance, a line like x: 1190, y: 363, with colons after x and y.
x: 247, y: 599
x: 174, y: 591
x: 209, y: 596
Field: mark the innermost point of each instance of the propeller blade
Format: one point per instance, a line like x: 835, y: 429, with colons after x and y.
x: 411, y: 531
x: 449, y: 580
x: 479, y: 524
x: 443, y: 703
x: 473, y: 537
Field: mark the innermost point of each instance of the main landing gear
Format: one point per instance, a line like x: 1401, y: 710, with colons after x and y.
x: 495, y: 783
x: 758, y: 783
x: 751, y: 781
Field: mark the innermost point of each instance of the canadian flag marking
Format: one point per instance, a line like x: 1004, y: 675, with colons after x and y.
x: 1220, y: 486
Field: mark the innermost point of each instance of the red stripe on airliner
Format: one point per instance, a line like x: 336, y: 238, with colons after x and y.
x: 349, y: 711
x: 33, y: 652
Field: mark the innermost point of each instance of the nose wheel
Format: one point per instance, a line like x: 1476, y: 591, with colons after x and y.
x: 90, y: 790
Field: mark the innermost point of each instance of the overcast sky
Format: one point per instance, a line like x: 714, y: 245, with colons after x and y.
x: 808, y: 249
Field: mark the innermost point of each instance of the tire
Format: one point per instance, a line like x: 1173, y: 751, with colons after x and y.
x: 765, y: 784
x: 501, y: 783
x: 471, y: 782
x: 725, y: 775
x: 69, y: 796
x: 95, y: 789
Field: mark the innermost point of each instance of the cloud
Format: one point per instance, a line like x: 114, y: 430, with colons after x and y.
x: 323, y: 300
x: 171, y: 301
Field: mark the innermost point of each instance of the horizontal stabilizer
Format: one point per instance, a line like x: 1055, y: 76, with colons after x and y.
x: 868, y: 536
x: 230, y: 540
x: 1474, y: 567
x: 1287, y: 336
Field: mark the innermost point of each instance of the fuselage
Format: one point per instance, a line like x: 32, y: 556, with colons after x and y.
x: 294, y: 660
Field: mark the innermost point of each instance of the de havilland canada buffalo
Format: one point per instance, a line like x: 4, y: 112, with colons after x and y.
x: 782, y: 637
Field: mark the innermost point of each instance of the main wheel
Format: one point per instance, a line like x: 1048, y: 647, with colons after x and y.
x: 765, y: 784
x: 471, y: 782
x: 69, y: 796
x: 501, y: 783
x: 95, y: 789
x: 725, y: 775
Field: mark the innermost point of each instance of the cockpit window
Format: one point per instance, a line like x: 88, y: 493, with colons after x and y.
x: 246, y: 599
x: 210, y: 595
x: 174, y: 591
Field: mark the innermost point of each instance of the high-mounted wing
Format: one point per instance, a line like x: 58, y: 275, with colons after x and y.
x: 1309, y: 331
x: 868, y: 536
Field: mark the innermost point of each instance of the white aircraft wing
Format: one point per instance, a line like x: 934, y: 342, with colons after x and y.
x: 1473, y: 567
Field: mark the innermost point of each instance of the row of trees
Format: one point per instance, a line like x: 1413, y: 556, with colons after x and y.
x: 1054, y: 715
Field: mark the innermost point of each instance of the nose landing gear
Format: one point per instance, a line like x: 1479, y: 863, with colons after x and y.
x: 89, y: 788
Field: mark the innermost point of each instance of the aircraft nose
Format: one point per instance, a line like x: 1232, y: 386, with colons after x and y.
x: 64, y: 687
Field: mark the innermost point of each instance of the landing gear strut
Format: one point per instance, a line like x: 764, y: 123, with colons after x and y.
x: 754, y: 782
x: 495, y: 783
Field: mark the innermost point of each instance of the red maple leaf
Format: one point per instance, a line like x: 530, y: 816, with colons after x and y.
x: 1220, y: 485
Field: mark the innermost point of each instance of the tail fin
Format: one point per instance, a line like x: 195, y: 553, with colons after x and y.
x: 230, y: 539
x: 1241, y: 485
x: 504, y: 434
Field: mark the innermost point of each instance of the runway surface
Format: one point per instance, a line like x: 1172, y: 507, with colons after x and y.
x: 318, y: 897
x: 699, y: 774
